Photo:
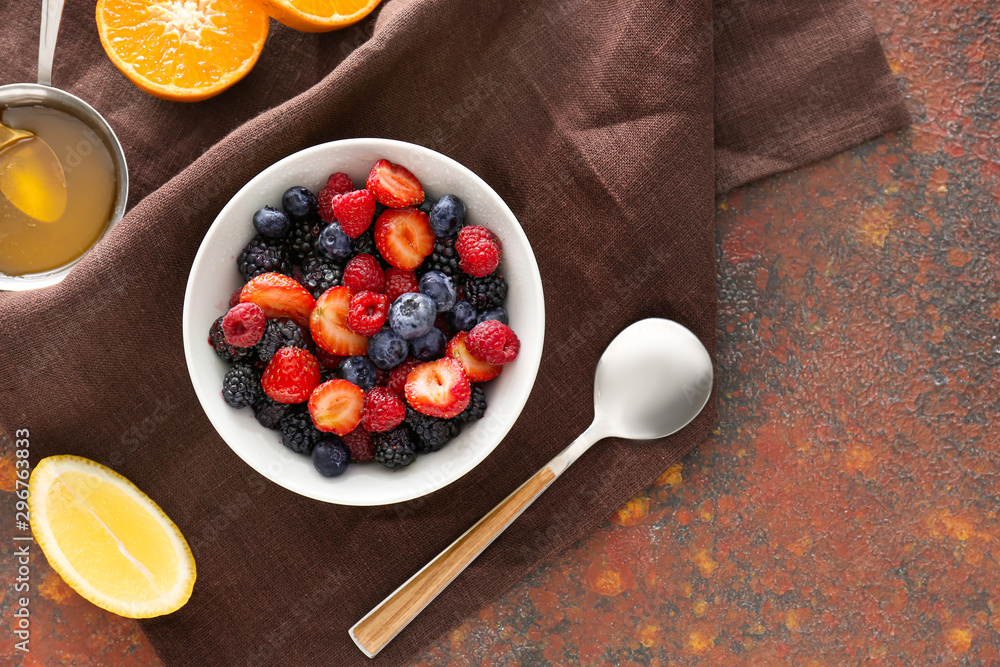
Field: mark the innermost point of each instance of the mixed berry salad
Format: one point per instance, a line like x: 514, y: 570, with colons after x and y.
x: 367, y: 322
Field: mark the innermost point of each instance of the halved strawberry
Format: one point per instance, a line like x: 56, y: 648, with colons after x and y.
x: 475, y: 369
x: 438, y: 388
x: 394, y: 185
x: 404, y: 237
x: 279, y: 296
x: 335, y: 406
x: 328, y: 324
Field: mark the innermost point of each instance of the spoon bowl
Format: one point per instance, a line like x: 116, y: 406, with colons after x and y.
x: 652, y: 380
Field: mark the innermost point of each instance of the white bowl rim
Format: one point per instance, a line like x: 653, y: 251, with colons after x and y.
x: 534, y: 280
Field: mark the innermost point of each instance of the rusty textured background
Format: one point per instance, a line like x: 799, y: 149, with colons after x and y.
x: 845, y: 510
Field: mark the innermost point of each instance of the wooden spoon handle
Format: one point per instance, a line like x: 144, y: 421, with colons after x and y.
x: 394, y: 613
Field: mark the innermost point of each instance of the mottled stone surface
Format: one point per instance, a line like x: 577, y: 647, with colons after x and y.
x: 846, y: 507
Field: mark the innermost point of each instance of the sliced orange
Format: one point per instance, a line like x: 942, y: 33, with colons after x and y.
x: 318, y: 15
x: 183, y: 50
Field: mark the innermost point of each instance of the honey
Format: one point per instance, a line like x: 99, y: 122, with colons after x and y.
x: 32, y: 245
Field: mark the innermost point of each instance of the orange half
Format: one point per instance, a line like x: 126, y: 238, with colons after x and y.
x: 318, y: 15
x: 182, y: 50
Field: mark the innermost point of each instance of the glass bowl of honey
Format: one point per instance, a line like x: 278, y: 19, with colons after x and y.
x: 49, y: 222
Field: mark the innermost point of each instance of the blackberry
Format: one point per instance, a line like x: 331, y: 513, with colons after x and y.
x: 431, y: 433
x: 394, y: 449
x: 443, y: 258
x: 269, y: 412
x: 281, y: 333
x: 320, y: 274
x: 366, y: 244
x: 298, y: 432
x: 263, y: 255
x: 476, y: 408
x: 302, y: 239
x: 217, y: 339
x: 485, y: 293
x: 241, y: 386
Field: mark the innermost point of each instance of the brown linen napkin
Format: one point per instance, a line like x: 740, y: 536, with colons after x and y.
x: 607, y: 126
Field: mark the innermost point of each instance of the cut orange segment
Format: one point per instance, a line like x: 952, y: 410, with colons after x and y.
x: 182, y: 50
x: 107, y: 539
x: 318, y: 15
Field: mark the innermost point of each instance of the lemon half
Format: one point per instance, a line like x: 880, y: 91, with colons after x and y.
x: 107, y: 539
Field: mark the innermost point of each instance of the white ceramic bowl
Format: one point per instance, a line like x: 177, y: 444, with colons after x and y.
x: 214, y: 277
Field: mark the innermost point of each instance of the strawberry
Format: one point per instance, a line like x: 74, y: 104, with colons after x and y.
x: 354, y: 212
x: 384, y: 410
x: 338, y: 184
x: 475, y: 369
x: 279, y: 296
x: 438, y: 388
x: 367, y: 313
x: 399, y: 282
x: 335, y: 406
x: 291, y: 376
x: 493, y: 342
x: 364, y: 273
x: 394, y: 186
x: 328, y: 324
x: 397, y: 378
x: 479, y: 250
x: 404, y: 237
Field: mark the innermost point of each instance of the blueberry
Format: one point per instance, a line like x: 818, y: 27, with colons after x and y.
x: 299, y: 203
x: 271, y: 223
x: 461, y: 317
x: 358, y: 371
x: 498, y: 314
x: 426, y: 205
x: 412, y: 315
x: 429, y: 346
x: 333, y: 243
x: 439, y: 287
x: 330, y: 457
x: 447, y: 215
x: 387, y: 349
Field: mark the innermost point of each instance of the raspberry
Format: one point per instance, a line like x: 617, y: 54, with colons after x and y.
x: 354, y: 212
x: 338, y: 184
x: 493, y: 342
x: 359, y: 444
x: 399, y: 282
x: 244, y: 325
x: 367, y: 313
x: 364, y: 273
x: 384, y: 410
x: 479, y: 249
x: 291, y: 376
x: 397, y: 378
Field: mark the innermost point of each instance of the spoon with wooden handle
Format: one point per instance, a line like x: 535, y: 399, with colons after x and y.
x: 652, y: 380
